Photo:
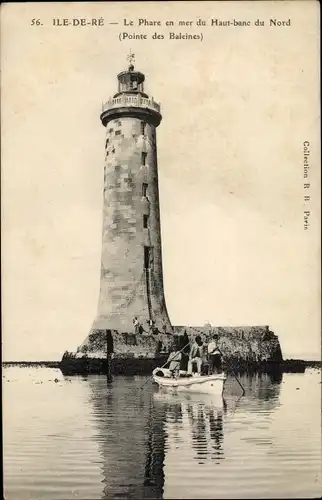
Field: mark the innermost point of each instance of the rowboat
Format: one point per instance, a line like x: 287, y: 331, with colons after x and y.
x: 206, y: 384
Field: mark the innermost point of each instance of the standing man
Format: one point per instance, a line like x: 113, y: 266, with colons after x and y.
x: 138, y: 329
x: 195, y: 356
x: 185, y: 350
x: 152, y: 328
x: 214, y: 355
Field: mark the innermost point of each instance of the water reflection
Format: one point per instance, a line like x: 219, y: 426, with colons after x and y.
x: 144, y: 435
x: 198, y: 417
x: 130, y: 438
x: 263, y: 387
x: 85, y: 438
x: 206, y: 425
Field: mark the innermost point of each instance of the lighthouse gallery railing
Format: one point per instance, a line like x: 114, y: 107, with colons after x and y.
x: 130, y: 100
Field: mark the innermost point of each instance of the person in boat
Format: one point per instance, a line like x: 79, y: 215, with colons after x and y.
x: 195, y: 356
x: 214, y: 355
x: 174, y: 359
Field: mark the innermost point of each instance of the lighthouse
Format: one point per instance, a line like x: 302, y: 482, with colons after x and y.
x: 131, y: 281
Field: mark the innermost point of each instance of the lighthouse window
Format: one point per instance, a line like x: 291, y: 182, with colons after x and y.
x: 143, y: 128
x: 144, y: 189
x: 143, y: 158
x: 145, y: 221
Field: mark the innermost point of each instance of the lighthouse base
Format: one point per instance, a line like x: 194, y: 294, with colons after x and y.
x: 118, y: 366
x: 110, y: 352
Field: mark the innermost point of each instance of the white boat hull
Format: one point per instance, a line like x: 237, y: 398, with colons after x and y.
x: 205, y: 384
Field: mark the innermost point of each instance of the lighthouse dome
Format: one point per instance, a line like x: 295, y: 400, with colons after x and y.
x: 130, y: 81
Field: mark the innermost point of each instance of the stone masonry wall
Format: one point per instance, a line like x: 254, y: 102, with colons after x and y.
x: 247, y: 344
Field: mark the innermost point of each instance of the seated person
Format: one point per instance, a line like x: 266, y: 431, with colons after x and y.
x: 175, y: 360
x: 195, y: 356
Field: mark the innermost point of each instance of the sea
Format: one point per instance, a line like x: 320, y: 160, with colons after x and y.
x: 88, y: 437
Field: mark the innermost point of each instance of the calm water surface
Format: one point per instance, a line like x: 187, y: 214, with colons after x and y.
x: 85, y: 438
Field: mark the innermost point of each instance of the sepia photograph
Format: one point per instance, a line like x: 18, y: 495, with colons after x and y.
x: 161, y: 224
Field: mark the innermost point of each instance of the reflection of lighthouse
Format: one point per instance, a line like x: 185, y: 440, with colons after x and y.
x: 131, y: 264
x: 130, y: 433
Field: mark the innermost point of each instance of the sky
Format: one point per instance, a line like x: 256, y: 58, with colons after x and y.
x: 237, y: 108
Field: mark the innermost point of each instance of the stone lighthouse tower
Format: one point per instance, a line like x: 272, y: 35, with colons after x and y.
x: 131, y: 283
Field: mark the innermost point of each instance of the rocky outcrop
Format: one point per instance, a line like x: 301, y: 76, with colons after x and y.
x: 243, y: 347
